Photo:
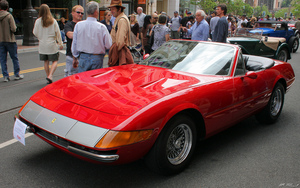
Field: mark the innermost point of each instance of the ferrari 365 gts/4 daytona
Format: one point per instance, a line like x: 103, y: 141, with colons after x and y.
x: 156, y: 110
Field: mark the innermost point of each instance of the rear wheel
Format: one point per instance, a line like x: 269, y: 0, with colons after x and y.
x: 283, y: 55
x: 272, y: 111
x: 173, y: 149
x: 294, y: 44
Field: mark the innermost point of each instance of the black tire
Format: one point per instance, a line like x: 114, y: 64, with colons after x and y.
x: 273, y: 110
x: 294, y: 44
x: 174, y: 147
x: 297, y: 35
x: 283, y: 55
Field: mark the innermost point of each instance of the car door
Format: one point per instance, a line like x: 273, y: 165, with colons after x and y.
x: 249, y: 90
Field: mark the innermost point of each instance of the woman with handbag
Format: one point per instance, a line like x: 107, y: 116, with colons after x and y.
x: 145, y: 35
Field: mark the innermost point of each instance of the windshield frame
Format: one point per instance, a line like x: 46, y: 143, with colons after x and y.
x: 216, y: 58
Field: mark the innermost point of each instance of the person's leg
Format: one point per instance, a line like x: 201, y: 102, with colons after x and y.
x: 69, y: 64
x: 83, y: 62
x: 97, y: 62
x: 52, y: 70
x: 12, y: 49
x: 3, y: 59
x: 46, y: 67
x: 54, y: 59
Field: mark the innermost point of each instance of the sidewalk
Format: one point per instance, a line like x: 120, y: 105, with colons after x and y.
x: 23, y: 49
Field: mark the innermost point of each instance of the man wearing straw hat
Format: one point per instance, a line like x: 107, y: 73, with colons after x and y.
x: 119, y: 54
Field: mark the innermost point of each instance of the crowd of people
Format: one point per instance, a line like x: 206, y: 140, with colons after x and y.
x: 88, y: 41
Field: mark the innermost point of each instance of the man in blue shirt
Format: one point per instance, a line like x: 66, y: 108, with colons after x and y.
x: 200, y: 29
x: 221, y: 30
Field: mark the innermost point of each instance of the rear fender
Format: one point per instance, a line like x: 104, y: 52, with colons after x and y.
x: 282, y: 46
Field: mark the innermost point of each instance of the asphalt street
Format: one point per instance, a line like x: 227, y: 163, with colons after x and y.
x: 246, y: 155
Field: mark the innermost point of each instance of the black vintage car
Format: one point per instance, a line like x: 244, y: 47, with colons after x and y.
x: 254, y: 43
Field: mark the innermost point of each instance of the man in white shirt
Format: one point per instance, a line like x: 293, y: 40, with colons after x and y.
x: 243, y: 20
x: 140, y: 17
x: 91, y: 39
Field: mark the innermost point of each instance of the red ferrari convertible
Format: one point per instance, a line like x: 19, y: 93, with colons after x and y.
x: 156, y: 110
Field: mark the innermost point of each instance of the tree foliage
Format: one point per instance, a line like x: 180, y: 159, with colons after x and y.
x: 258, y: 11
x: 296, y: 8
x: 236, y: 7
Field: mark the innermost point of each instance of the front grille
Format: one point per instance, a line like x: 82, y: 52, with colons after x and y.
x: 63, y: 142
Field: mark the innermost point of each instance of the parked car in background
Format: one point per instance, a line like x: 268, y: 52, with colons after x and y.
x: 254, y: 43
x: 279, y: 29
x: 291, y: 25
x: 157, y: 110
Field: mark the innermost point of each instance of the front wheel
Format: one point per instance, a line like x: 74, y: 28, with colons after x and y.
x: 173, y: 149
x: 272, y: 111
x: 283, y: 55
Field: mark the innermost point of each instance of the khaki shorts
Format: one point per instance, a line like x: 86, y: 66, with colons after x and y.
x: 49, y: 57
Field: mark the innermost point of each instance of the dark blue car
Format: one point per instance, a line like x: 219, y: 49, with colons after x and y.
x: 279, y: 29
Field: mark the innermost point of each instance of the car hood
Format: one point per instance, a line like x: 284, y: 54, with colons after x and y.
x: 122, y: 90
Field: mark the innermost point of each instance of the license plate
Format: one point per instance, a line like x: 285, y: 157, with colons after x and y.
x: 19, y: 131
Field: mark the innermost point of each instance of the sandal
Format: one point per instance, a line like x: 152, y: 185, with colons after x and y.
x: 49, y: 81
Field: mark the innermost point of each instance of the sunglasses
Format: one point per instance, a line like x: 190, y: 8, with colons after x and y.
x: 79, y: 12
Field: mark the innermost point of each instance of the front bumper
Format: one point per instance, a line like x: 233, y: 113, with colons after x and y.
x: 65, y: 133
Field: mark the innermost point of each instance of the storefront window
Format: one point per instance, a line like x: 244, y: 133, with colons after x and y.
x: 58, y: 8
x: 185, y: 6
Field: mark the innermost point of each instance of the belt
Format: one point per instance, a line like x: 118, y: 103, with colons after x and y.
x: 90, y: 53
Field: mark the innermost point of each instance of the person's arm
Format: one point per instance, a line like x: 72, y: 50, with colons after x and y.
x: 167, y: 36
x: 69, y: 32
x: 35, y: 29
x: 58, y: 35
x: 107, y: 38
x: 190, y: 31
x: 122, y: 33
x: 12, y: 24
x: 205, y: 32
x: 138, y: 31
x: 74, y: 44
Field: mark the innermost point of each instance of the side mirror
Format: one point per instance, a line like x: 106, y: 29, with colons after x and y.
x: 251, y: 74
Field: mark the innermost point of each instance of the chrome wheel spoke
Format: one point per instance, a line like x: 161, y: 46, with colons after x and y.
x: 179, y: 144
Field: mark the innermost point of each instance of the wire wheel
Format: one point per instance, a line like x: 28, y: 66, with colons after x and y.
x: 276, y: 102
x: 179, y: 144
x: 283, y: 55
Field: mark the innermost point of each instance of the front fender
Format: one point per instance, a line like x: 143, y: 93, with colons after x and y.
x: 177, y: 110
x: 282, y: 46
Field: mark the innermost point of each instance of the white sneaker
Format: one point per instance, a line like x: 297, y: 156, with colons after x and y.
x: 21, y: 76
x: 6, y: 79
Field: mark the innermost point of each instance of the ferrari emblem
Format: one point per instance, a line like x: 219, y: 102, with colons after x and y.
x: 53, y: 120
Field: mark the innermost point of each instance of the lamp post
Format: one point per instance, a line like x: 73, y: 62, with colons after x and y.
x: 29, y: 16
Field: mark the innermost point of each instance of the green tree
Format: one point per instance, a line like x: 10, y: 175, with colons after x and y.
x: 281, y: 12
x: 296, y: 8
x: 286, y: 3
x: 258, y: 11
x: 237, y: 7
x: 206, y: 5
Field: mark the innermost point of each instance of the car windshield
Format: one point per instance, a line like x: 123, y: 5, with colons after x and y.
x: 248, y: 32
x: 193, y: 57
